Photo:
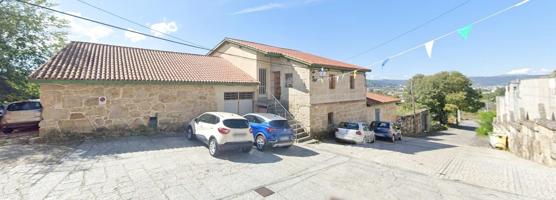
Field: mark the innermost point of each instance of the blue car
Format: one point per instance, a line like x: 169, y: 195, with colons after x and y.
x: 386, y: 130
x: 270, y: 130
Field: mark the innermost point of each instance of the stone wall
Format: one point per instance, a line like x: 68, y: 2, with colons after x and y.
x: 387, y: 112
x: 533, y: 140
x: 74, y: 109
x: 342, y: 112
x: 423, y: 127
x: 321, y: 93
x: 529, y: 99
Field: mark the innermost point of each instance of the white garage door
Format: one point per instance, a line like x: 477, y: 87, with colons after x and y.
x: 238, y: 102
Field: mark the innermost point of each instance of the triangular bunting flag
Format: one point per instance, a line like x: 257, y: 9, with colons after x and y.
x: 428, y: 47
x: 385, y: 61
x: 464, y: 31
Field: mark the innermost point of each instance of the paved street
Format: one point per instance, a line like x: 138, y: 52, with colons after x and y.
x: 449, y: 165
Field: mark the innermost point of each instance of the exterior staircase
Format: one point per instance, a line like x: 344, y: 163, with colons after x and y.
x: 301, y: 134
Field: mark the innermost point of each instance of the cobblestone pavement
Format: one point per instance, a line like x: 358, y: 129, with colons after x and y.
x: 170, y: 167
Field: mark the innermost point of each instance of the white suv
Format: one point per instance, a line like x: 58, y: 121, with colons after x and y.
x: 357, y: 132
x: 221, y: 131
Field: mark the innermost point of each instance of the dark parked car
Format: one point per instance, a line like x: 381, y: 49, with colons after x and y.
x: 386, y: 130
x: 21, y: 114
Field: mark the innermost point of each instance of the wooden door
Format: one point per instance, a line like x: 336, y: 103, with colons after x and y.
x: 277, y: 85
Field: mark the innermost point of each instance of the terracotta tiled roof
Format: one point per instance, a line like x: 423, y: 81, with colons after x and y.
x: 381, y: 98
x: 91, y: 61
x: 295, y: 54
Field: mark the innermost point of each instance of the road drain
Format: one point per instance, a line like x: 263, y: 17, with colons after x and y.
x: 263, y: 191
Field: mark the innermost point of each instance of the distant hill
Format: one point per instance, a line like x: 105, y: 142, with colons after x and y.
x: 478, y: 81
x: 489, y: 81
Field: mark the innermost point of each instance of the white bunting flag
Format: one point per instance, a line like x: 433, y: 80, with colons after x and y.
x: 428, y: 47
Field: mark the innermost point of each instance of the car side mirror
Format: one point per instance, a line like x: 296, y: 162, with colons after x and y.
x: 196, y: 120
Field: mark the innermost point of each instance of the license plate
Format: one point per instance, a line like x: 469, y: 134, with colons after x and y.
x: 239, y: 134
x: 284, y: 138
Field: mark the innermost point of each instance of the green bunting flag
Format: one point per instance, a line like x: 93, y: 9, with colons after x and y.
x: 464, y: 31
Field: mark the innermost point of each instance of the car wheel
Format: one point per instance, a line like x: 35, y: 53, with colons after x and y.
x: 7, y: 130
x: 260, y: 142
x: 213, y: 147
x: 189, y: 133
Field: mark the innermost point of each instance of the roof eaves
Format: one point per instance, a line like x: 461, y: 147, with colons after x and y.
x: 91, y: 81
x: 266, y: 52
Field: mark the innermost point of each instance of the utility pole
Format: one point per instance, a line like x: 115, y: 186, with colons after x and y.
x: 413, y: 102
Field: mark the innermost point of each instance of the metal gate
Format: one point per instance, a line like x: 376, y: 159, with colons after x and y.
x: 238, y: 102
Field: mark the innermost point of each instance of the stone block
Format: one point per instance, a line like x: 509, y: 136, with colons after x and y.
x: 77, y: 116
x: 97, y: 91
x: 53, y: 87
x: 92, y: 101
x: 128, y: 93
x: 113, y: 93
x: 55, y: 114
x: 69, y: 101
x: 118, y: 111
x: 158, y: 107
x: 167, y: 98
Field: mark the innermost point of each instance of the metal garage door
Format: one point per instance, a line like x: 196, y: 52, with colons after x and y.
x: 238, y: 102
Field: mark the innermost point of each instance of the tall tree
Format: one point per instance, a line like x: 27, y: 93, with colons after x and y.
x: 28, y: 37
x: 444, y: 93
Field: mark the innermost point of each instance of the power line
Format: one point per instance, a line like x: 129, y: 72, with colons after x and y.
x: 409, y: 31
x: 452, y: 32
x: 136, y: 23
x: 148, y: 35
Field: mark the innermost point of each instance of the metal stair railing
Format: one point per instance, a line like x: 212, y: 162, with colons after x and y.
x: 286, y: 114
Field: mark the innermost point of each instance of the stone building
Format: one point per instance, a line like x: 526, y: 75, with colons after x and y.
x: 318, y: 92
x: 381, y: 107
x: 94, y: 89
x: 526, y: 114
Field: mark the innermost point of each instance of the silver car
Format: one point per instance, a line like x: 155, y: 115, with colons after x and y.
x: 357, y: 132
x: 21, y: 114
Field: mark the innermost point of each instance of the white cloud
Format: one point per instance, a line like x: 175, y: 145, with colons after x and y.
x: 83, y: 30
x: 164, y: 27
x: 260, y: 8
x: 134, y: 37
x: 529, y: 70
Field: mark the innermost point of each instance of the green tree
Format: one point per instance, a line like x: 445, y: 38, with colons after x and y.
x: 443, y: 93
x: 491, y: 96
x: 28, y: 37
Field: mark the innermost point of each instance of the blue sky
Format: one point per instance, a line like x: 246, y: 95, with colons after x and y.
x: 521, y: 40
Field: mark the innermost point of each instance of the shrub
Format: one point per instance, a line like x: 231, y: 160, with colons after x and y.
x: 437, y: 126
x: 485, y: 122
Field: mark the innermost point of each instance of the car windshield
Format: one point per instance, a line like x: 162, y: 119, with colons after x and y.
x: 236, y: 123
x: 383, y: 125
x: 279, y: 124
x: 24, y: 106
x: 366, y: 127
x: 347, y: 125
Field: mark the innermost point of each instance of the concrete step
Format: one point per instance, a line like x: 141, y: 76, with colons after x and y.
x: 298, y: 130
x: 303, y: 139
x: 302, y: 135
x: 311, y: 141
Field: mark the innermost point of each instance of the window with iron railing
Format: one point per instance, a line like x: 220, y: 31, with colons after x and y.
x: 262, y: 80
x: 289, y: 80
